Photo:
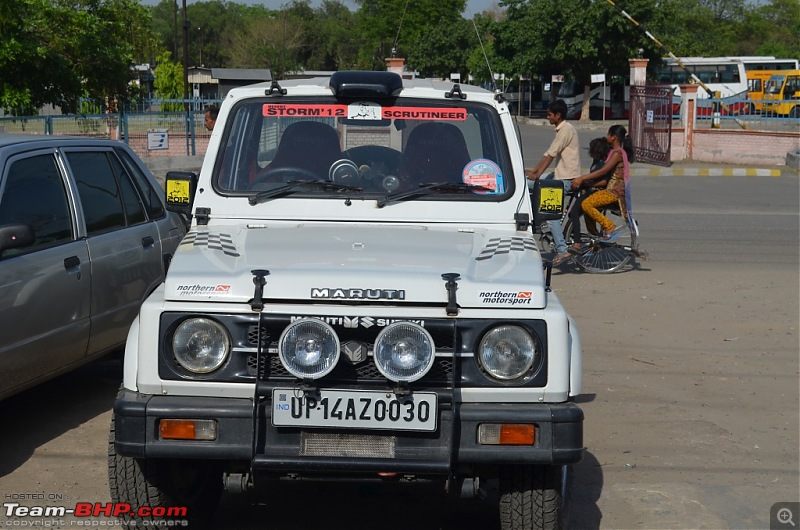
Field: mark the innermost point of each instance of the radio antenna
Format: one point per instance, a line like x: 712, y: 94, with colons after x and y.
x: 397, y: 37
x: 486, y: 57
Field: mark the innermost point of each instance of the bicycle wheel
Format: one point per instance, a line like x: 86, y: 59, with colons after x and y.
x: 598, y: 256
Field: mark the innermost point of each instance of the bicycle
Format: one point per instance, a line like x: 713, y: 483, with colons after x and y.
x: 595, y: 255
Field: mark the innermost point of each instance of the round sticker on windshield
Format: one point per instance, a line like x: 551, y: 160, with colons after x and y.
x: 485, y: 173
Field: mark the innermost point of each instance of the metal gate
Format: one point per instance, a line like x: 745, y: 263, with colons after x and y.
x: 651, y: 123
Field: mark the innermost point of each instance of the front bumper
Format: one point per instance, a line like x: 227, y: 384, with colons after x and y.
x: 245, y: 433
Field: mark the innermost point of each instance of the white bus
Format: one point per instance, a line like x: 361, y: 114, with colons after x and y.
x: 725, y: 76
x: 767, y: 62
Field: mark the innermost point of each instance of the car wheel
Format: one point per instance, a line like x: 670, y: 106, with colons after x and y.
x: 534, y: 497
x: 165, y: 483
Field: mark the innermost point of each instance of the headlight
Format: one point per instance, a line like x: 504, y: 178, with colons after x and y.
x: 201, y: 345
x: 309, y: 348
x: 507, y: 352
x: 404, y: 352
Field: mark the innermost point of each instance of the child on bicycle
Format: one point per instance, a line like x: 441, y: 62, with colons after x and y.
x: 617, y: 187
x: 598, y: 151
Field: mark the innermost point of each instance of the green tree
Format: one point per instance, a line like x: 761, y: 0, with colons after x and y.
x: 168, y: 81
x: 699, y: 28
x: 57, y: 51
x: 334, y: 38
x: 575, y: 38
x: 269, y: 39
x: 483, y: 60
x: 442, y: 50
x: 389, y: 24
x: 32, y: 72
x: 771, y: 29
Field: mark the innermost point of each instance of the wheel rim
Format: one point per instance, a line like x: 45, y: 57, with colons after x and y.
x: 600, y: 257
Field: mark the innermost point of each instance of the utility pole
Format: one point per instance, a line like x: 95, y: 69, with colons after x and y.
x: 185, y: 59
x: 175, y: 30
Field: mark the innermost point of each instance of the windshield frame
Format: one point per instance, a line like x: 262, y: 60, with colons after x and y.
x: 485, y: 135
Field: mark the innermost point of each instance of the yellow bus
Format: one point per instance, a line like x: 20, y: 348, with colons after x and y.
x: 756, y: 80
x: 782, y: 94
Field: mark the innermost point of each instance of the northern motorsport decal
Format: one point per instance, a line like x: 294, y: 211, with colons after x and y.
x: 339, y: 293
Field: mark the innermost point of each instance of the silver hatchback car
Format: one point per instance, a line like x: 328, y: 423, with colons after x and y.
x: 84, y: 239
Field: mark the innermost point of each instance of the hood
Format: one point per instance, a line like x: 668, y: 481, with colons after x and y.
x: 369, y: 263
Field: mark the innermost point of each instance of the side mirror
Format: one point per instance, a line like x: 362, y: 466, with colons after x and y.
x: 16, y: 236
x: 547, y: 197
x: 180, y: 187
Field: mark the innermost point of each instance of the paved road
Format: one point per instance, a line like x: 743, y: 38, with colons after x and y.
x: 690, y: 394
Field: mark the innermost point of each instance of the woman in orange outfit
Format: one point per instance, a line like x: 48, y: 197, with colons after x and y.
x: 617, y: 189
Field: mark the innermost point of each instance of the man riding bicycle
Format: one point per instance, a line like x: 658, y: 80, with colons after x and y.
x: 565, y: 150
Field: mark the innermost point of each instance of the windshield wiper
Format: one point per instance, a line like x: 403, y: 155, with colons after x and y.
x: 427, y: 189
x: 292, y: 186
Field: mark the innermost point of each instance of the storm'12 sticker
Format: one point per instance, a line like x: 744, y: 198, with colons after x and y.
x: 483, y: 172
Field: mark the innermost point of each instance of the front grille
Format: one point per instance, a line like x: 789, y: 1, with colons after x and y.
x: 348, y: 372
x: 346, y: 445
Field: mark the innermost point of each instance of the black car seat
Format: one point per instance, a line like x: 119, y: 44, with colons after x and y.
x: 309, y: 145
x: 435, y: 152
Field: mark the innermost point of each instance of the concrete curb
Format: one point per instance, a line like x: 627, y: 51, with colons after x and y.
x: 693, y: 171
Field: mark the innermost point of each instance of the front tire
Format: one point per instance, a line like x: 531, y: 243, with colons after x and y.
x: 168, y: 483
x: 599, y: 257
x: 534, y: 497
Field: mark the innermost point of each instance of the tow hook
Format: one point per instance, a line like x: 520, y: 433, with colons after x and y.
x: 236, y: 482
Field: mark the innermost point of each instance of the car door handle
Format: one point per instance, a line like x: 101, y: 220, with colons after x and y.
x: 71, y: 262
x: 148, y: 241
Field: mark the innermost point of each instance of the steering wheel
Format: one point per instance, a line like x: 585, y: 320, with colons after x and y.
x: 375, y: 164
x: 279, y: 174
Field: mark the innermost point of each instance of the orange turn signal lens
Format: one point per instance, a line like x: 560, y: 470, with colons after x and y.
x: 182, y: 429
x: 506, y: 434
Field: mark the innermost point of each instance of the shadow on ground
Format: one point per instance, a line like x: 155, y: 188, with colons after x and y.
x: 45, y: 412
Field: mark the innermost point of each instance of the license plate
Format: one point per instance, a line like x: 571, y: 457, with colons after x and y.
x: 354, y: 410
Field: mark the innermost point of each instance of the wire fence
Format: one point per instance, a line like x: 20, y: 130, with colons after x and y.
x: 154, y: 129
x: 149, y: 130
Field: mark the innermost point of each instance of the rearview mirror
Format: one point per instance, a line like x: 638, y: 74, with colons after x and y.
x: 16, y: 236
x: 547, y: 198
x: 180, y: 187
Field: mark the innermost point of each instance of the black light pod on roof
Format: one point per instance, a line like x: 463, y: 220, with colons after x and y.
x: 366, y: 84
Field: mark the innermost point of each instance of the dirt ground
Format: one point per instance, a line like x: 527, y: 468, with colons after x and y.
x: 692, y: 401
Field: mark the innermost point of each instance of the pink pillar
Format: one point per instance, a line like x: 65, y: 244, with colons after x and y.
x: 395, y: 64
x: 638, y: 71
x: 688, y: 115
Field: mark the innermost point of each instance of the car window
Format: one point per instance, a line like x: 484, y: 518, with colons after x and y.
x: 149, y: 194
x: 34, y: 194
x: 375, y: 146
x: 100, y: 195
x: 134, y: 211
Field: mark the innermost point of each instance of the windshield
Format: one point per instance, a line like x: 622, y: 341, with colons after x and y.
x: 367, y: 148
x: 774, y: 84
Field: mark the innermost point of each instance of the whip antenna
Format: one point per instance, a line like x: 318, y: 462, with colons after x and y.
x: 397, y: 37
x: 486, y: 57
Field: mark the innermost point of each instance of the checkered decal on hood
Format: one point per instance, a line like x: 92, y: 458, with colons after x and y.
x: 223, y: 242
x: 504, y: 245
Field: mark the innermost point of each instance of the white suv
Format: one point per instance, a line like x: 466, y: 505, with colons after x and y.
x: 359, y: 295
